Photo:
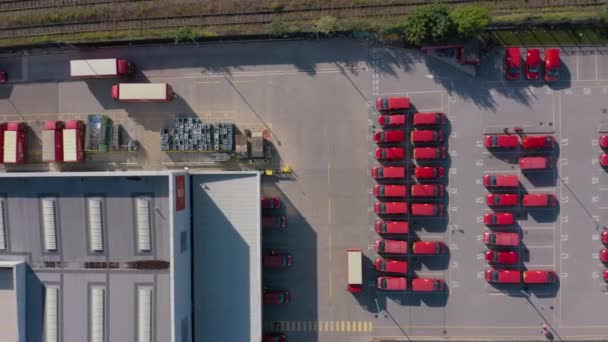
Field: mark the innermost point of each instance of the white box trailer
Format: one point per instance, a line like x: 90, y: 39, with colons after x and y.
x: 142, y: 92
x: 100, y: 67
x: 355, y: 270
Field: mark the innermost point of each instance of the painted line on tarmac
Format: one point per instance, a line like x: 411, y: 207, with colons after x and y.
x: 538, y: 228
x: 546, y: 246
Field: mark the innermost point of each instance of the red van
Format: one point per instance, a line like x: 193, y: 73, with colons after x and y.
x: 539, y: 200
x: 390, y: 190
x: 390, y: 208
x: 533, y: 64
x: 426, y: 190
x: 539, y: 277
x: 428, y: 172
x: 534, y: 163
x: 541, y: 141
x: 427, y: 209
x: 429, y: 153
x: 392, y: 136
x: 391, y: 246
x: 501, y: 239
x: 428, y: 247
x: 380, y: 172
x: 428, y: 119
x: 551, y: 65
x: 390, y: 266
x: 501, y: 141
x: 422, y: 136
x: 501, y: 181
x: 389, y: 153
x: 427, y: 285
x: 391, y: 120
x: 512, y: 63
x: 503, y: 276
x: 392, y: 227
x: 392, y: 103
x: 392, y: 283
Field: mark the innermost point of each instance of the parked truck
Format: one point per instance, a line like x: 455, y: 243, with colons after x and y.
x: 52, y: 142
x: 92, y: 68
x: 73, y: 142
x: 14, y: 143
x: 142, y: 92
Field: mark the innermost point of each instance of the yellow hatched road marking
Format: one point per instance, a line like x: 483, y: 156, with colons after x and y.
x: 319, y: 326
x: 347, y: 325
x: 331, y: 326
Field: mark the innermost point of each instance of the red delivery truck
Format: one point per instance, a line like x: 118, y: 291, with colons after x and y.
x: 109, y: 67
x: 534, y: 163
x: 73, y: 142
x: 14, y: 143
x: 2, y: 130
x: 500, y: 181
x: 52, y: 141
x: 142, y: 92
x: 355, y: 270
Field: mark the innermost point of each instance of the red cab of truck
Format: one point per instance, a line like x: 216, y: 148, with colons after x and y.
x: 392, y: 103
x: 501, y: 141
x: 391, y: 120
x: 501, y: 239
x: 52, y: 141
x: 381, y: 172
x: 428, y: 172
x: 142, y: 92
x: 603, y: 160
x: 428, y: 285
x: 429, y: 119
x: 390, y: 266
x: 512, y: 63
x: 603, y: 141
x: 538, y: 200
x: 390, y: 190
x: 539, y: 277
x: 15, y: 144
x: 534, y: 163
x: 503, y: 276
x: 425, y: 136
x: 390, y: 208
x: 392, y: 283
x: 498, y: 219
x: 551, y: 65
x: 389, y: 153
x: 429, y: 153
x: 533, y: 62
x: 428, y: 247
x: 392, y: 227
x: 500, y: 181
x: 426, y: 190
x: 502, y: 258
x: 73, y: 141
x: 391, y: 246
x: 3, y: 126
x: 541, y: 141
x: 427, y: 209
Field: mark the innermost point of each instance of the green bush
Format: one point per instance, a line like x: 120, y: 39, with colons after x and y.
x: 185, y: 34
x: 327, y: 25
x: 278, y: 27
x: 470, y: 20
x: 428, y: 24
x: 276, y: 6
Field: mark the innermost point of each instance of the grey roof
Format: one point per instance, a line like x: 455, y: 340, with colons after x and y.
x: 227, y: 261
x: 24, y: 234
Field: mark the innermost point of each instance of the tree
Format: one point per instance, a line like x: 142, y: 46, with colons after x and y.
x: 428, y: 23
x: 326, y: 25
x: 470, y: 20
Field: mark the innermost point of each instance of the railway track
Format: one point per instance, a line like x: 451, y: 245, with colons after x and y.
x: 263, y: 17
x: 24, y: 5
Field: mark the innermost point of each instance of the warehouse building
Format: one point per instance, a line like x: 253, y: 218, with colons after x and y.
x: 110, y: 256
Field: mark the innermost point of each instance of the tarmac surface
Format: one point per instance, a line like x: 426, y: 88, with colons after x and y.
x: 316, y: 97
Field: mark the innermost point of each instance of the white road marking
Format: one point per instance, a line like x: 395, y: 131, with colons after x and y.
x: 499, y: 171
x: 547, y: 246
x: 596, y: 67
x: 414, y: 92
x: 538, y: 265
x: 538, y: 228
x: 542, y: 190
x: 577, y: 73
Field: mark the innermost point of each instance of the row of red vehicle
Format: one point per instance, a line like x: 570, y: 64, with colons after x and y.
x: 527, y: 200
x: 519, y: 277
x: 416, y: 190
x: 385, y: 246
x: 533, y: 64
x: 270, y: 221
x: 418, y: 119
x: 390, y: 283
x: 398, y: 172
x: 417, y: 137
x: 512, y: 141
x: 401, y: 208
x: 603, y: 159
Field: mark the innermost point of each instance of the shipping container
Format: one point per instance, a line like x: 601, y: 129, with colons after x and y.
x: 91, y: 68
x: 73, y: 142
x: 14, y: 143
x: 139, y: 92
x: 52, y: 142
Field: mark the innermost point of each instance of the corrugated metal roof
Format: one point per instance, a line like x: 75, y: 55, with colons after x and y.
x: 226, y: 222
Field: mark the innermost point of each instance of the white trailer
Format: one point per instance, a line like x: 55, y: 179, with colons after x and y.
x: 142, y: 92
x: 100, y: 67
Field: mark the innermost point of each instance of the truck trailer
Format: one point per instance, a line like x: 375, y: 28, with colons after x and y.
x: 14, y: 143
x: 141, y: 92
x: 73, y: 142
x: 52, y: 142
x: 93, y: 68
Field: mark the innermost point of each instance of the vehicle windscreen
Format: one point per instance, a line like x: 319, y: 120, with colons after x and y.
x: 383, y: 227
x: 383, y: 283
x: 383, y: 265
x: 385, y: 103
x: 492, y: 239
x: 494, y: 276
x: 553, y: 72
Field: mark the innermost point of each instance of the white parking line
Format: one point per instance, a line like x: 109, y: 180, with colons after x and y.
x: 596, y: 66
x: 499, y: 171
x: 429, y: 274
x: 538, y: 265
x: 577, y: 73
x: 538, y: 228
x: 413, y: 92
x: 542, y: 190
x: 547, y: 246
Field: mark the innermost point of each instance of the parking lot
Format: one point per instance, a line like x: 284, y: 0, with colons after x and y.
x: 317, y: 98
